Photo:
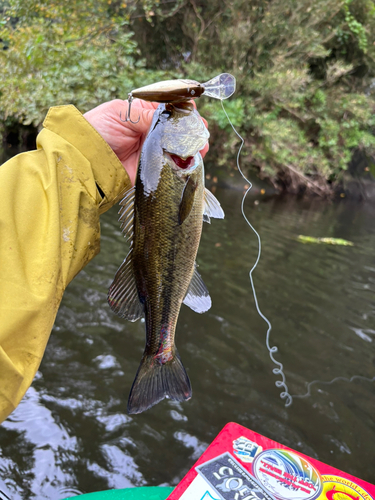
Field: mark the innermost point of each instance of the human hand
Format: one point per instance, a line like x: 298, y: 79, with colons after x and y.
x: 125, y: 138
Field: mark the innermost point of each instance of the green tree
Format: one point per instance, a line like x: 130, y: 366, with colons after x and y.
x: 78, y: 52
x: 305, y: 71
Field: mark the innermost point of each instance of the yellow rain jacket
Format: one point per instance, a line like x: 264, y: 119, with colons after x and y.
x: 49, y: 230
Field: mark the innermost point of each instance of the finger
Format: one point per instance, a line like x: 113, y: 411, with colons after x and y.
x: 204, y: 151
x: 140, y: 103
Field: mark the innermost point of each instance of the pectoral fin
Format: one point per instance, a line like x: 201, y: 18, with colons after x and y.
x: 212, y: 207
x: 187, y: 200
x: 197, y: 296
x: 123, y: 294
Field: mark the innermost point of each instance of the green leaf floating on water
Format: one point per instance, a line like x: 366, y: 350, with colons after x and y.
x: 327, y: 241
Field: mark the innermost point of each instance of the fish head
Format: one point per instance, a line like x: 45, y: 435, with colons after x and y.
x: 182, y: 137
x: 176, y: 136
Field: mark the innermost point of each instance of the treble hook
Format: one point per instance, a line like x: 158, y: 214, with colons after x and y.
x: 127, y: 115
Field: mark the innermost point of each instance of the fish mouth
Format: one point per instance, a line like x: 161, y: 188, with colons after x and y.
x: 183, y: 163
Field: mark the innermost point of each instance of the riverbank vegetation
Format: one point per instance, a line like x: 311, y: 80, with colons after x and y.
x: 305, y: 71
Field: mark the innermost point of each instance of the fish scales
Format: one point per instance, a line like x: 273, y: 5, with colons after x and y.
x: 159, y: 273
x: 164, y: 250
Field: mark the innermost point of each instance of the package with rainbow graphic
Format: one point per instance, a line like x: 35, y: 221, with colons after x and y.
x: 243, y: 465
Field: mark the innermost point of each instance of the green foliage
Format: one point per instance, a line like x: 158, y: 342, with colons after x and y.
x: 234, y: 108
x: 56, y: 53
x: 357, y: 28
x: 305, y: 70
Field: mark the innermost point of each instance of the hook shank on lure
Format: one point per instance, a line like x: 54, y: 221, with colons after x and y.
x: 127, y: 115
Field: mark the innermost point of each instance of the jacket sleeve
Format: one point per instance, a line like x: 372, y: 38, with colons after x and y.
x: 49, y: 230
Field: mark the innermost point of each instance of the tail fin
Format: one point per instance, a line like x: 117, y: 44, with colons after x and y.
x: 155, y: 381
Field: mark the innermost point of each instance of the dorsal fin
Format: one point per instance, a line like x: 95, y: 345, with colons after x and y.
x: 197, y: 296
x: 128, y: 197
x: 123, y: 294
x: 126, y: 213
x: 212, y: 207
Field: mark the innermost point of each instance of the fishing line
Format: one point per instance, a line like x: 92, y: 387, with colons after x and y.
x: 272, y: 350
x: 314, y: 382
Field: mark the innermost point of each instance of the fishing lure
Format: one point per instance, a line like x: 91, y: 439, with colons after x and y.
x: 178, y: 91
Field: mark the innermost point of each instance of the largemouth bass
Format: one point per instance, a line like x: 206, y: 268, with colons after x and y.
x: 163, y: 216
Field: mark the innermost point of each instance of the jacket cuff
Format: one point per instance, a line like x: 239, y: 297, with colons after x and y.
x: 109, y: 173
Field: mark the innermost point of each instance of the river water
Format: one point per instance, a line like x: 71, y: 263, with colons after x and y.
x: 72, y: 433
